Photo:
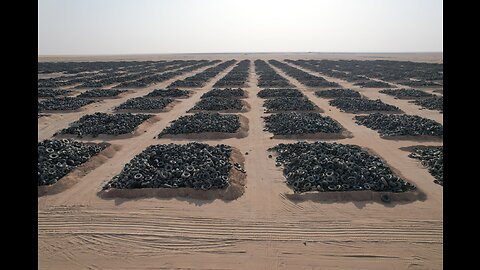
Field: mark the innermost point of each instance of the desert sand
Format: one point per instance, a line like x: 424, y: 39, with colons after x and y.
x: 268, y: 227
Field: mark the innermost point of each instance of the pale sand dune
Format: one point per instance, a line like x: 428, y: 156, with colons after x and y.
x: 262, y: 229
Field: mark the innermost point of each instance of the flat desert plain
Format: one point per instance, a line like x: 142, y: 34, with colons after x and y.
x: 268, y: 227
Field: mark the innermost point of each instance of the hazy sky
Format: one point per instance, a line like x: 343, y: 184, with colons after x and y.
x: 198, y: 26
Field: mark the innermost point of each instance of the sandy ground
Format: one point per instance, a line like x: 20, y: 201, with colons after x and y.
x: 266, y: 228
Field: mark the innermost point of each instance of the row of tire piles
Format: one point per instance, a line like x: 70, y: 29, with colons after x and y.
x: 388, y: 120
x: 412, y: 74
x: 404, y: 73
x: 59, y: 157
x: 322, y: 166
x: 53, y: 99
x: 193, y: 165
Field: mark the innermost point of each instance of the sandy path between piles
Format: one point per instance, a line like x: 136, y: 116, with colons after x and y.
x: 262, y: 229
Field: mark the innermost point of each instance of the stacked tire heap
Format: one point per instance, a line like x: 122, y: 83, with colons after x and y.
x: 52, y: 83
x: 356, y: 105
x: 328, y: 69
x: 199, y: 79
x: 56, y: 158
x: 237, y: 77
x: 193, y: 165
x: 268, y: 77
x: 401, y: 72
x: 337, y: 93
x: 373, y: 84
x: 101, y: 93
x: 400, y: 125
x: 145, y: 74
x: 225, y: 93
x: 167, y: 75
x: 304, y: 77
x: 432, y: 158
x: 148, y: 75
x: 108, y: 124
x: 221, y: 100
x: 432, y: 103
x: 279, y: 92
x: 289, y: 123
x: 321, y: 166
x: 172, y: 93
x: 203, y: 122
x: 96, y: 71
x: 63, y: 104
x: 47, y: 92
x: 281, y: 104
x: 144, y: 104
x: 406, y: 93
x: 218, y: 104
x: 172, y: 72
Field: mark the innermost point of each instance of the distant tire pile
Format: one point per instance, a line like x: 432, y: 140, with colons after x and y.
x: 433, y: 103
x: 276, y: 92
x: 303, y: 77
x: 63, y: 104
x: 400, y: 72
x: 100, y: 93
x: 192, y: 165
x: 225, y: 93
x: 52, y: 84
x: 373, y: 84
x: 47, y: 92
x: 166, y: 74
x: 237, y: 77
x: 268, y: 77
x: 336, y: 93
x: 199, y: 79
x: 432, y: 158
x: 355, y: 105
x: 90, y: 84
x: 145, y: 104
x: 321, y: 166
x: 289, y: 104
x: 218, y: 104
x: 400, y: 125
x: 108, y: 124
x: 204, y: 122
x: 288, y: 123
x: 406, y: 93
x: 173, y: 93
x: 56, y: 158
x: 419, y: 83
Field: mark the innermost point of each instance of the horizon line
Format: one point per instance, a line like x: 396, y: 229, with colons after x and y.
x: 115, y: 54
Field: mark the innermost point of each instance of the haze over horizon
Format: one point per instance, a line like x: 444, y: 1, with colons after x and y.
x: 212, y: 26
